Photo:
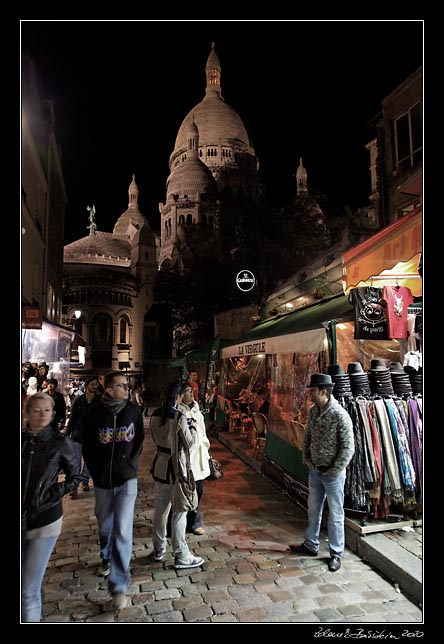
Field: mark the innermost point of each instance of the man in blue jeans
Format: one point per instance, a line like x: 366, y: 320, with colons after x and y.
x: 112, y: 443
x: 328, y: 449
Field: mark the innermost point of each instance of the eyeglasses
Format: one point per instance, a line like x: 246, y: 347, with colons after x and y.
x: 122, y: 385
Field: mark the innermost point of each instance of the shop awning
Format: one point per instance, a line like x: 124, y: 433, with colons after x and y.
x: 302, y: 331
x: 392, y: 255
x: 199, y: 354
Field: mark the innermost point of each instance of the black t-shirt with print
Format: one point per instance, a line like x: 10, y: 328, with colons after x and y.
x: 370, y: 313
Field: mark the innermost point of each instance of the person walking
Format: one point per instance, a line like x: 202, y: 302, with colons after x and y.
x: 328, y: 449
x: 199, y: 454
x: 165, y: 424
x: 112, y: 443
x: 59, y: 418
x: 45, y: 452
x: 74, y: 429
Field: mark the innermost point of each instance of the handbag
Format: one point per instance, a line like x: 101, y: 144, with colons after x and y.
x: 184, y: 494
x: 215, y: 469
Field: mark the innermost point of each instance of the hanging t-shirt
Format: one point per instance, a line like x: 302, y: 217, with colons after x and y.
x: 397, y: 299
x: 370, y: 313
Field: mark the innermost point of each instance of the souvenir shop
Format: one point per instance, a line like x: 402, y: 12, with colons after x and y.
x: 378, y: 373
x: 375, y: 360
x: 50, y: 344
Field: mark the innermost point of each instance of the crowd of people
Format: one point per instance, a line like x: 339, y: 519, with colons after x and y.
x: 103, y: 439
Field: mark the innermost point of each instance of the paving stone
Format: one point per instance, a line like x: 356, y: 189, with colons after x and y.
x: 249, y: 575
x: 197, y: 613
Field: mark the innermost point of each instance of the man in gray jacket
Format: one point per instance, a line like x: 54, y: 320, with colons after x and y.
x: 328, y: 449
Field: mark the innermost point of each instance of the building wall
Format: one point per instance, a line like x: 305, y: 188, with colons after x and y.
x: 397, y: 176
x: 43, y: 201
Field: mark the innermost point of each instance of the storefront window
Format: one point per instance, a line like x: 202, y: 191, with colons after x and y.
x: 50, y: 344
x: 289, y: 399
x: 363, y: 351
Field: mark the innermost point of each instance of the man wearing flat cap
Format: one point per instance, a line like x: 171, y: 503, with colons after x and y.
x: 328, y: 449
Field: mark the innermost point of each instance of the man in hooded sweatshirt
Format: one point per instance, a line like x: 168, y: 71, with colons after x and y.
x: 112, y: 443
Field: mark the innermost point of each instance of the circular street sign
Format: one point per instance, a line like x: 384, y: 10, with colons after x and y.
x: 245, y: 280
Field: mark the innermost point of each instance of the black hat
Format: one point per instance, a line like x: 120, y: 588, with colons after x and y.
x: 335, y: 369
x: 43, y: 364
x: 377, y: 364
x: 321, y: 380
x: 354, y: 367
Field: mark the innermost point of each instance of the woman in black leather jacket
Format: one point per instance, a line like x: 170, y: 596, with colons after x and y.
x: 45, y: 453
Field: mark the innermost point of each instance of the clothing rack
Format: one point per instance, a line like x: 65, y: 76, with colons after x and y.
x: 395, y: 277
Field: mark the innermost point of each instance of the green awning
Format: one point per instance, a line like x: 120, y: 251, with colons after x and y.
x: 199, y: 354
x: 299, y: 332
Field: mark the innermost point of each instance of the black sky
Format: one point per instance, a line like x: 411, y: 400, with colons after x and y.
x: 302, y: 88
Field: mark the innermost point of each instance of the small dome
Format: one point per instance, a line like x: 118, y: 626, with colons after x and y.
x: 192, y: 177
x: 98, y: 246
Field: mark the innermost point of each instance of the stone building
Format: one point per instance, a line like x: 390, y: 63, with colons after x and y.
x: 108, y: 287
x: 43, y: 201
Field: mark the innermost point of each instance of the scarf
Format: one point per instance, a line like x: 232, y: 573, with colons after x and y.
x: 112, y: 405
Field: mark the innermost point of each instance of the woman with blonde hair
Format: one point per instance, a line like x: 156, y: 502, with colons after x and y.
x: 45, y: 452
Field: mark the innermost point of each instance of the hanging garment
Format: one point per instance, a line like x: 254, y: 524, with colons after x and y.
x: 369, y: 312
x: 390, y: 453
x: 397, y: 299
x: 358, y: 469
x: 415, y: 443
x: 406, y: 469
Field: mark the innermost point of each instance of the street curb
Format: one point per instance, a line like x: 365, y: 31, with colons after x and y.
x: 393, y: 561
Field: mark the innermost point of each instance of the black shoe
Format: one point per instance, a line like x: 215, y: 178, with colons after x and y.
x: 301, y: 549
x: 334, y: 564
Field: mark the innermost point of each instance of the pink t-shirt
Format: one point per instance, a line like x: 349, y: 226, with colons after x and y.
x: 398, y: 299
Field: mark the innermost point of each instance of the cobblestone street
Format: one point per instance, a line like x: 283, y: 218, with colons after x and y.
x: 249, y: 575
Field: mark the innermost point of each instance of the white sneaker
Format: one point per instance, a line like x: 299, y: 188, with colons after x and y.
x: 191, y: 562
x: 119, y: 601
x: 158, y: 555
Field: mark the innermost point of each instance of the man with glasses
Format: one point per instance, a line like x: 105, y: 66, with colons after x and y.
x: 112, y: 444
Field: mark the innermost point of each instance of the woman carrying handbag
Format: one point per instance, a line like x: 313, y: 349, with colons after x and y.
x: 173, y: 437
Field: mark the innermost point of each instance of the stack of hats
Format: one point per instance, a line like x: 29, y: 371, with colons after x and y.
x: 358, y: 379
x: 415, y: 377
x: 400, y: 379
x: 341, y: 381
x: 380, y: 378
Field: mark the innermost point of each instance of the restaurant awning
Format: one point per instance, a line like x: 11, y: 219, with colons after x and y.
x: 199, y: 354
x: 392, y: 255
x: 302, y: 331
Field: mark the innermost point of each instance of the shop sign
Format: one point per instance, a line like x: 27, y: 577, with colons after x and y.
x: 31, y: 317
x: 245, y: 281
x: 252, y: 348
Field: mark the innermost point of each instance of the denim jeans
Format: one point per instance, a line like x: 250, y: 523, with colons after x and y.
x: 162, y: 507
x: 193, y: 518
x: 114, y: 510
x: 84, y: 473
x: 323, y: 487
x: 35, y: 557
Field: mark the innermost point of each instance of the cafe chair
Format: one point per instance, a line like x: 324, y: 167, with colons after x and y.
x: 232, y: 416
x: 260, y: 424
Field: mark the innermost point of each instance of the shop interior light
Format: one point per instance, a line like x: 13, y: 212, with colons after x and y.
x: 77, y: 314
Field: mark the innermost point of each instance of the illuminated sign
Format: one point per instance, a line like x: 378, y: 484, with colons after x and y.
x: 245, y: 281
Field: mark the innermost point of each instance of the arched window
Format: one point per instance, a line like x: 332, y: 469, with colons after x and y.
x: 124, y: 330
x: 181, y: 220
x: 189, y: 219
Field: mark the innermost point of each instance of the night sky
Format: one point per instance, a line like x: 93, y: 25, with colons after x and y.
x: 122, y: 89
